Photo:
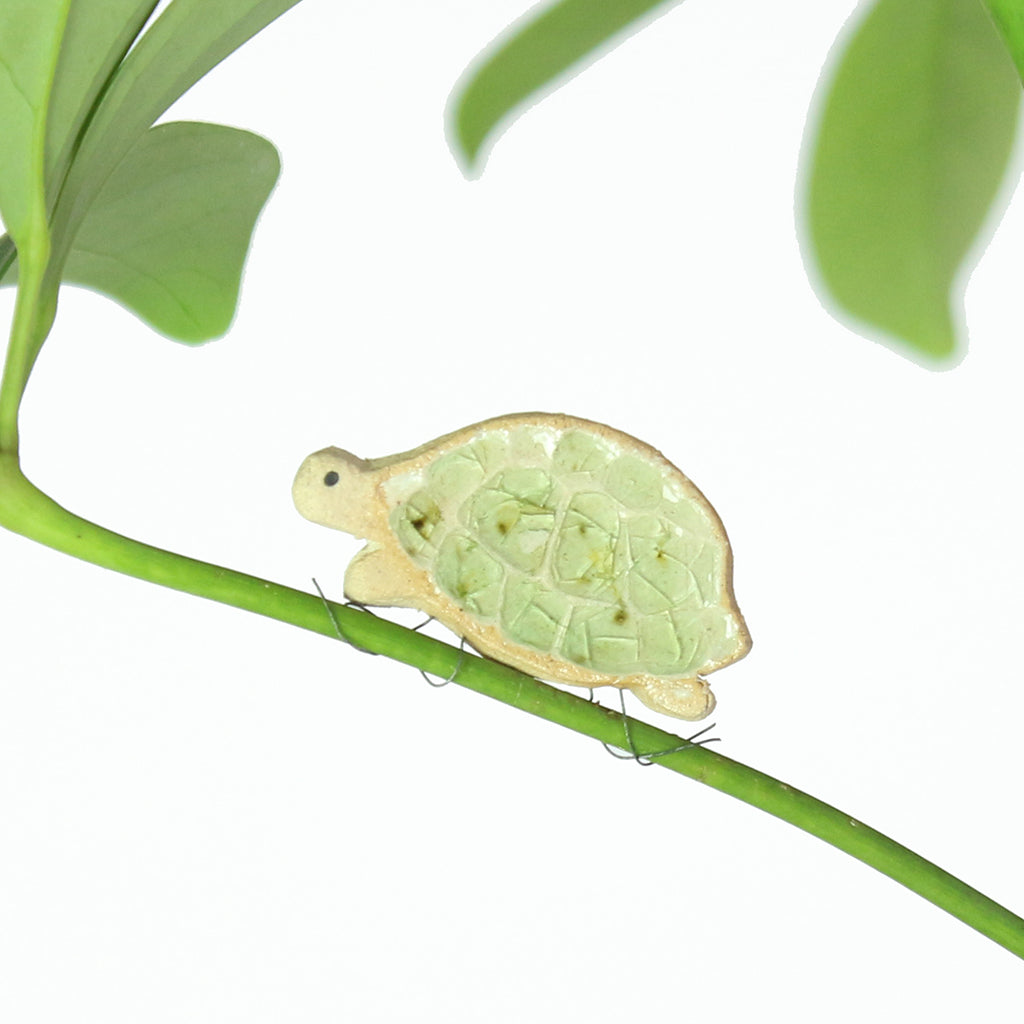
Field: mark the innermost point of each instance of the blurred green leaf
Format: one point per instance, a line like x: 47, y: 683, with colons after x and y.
x: 914, y: 136
x: 1009, y: 18
x: 530, y: 56
x: 30, y: 34
x: 168, y: 234
x: 96, y: 38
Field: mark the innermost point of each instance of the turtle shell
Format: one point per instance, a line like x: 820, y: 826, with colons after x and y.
x: 560, y: 546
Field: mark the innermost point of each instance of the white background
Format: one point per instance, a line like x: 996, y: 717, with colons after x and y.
x: 209, y: 816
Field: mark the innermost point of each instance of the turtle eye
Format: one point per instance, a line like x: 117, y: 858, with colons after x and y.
x: 331, y: 479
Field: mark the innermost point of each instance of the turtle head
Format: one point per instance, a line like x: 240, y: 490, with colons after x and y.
x: 335, y: 488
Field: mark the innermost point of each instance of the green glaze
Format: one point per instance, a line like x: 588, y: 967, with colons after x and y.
x: 570, y: 548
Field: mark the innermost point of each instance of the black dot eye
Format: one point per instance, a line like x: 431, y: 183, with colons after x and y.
x: 331, y: 479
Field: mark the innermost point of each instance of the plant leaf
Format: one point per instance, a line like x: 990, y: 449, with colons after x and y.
x: 96, y: 38
x: 168, y: 233
x: 183, y: 44
x: 1009, y: 18
x: 914, y: 137
x: 30, y: 34
x: 531, y: 55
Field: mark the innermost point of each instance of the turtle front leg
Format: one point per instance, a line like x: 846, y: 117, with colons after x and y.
x: 379, y: 575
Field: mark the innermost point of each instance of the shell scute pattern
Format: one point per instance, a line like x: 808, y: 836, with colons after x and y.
x: 513, y: 517
x: 606, y: 578
x: 585, y: 562
x: 467, y: 573
x: 533, y: 614
x: 458, y: 473
x: 636, y: 484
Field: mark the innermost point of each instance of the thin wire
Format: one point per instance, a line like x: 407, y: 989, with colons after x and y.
x: 455, y: 671
x: 334, y: 619
x: 458, y: 665
x: 646, y: 760
x: 351, y: 643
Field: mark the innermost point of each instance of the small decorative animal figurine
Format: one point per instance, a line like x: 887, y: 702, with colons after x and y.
x: 559, y: 546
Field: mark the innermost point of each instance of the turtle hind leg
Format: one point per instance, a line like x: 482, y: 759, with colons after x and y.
x: 689, y: 699
x: 649, y: 758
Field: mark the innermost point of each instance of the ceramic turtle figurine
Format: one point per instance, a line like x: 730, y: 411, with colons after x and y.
x: 559, y: 546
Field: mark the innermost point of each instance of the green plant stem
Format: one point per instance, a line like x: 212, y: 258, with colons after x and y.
x: 34, y: 308
x: 26, y: 510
